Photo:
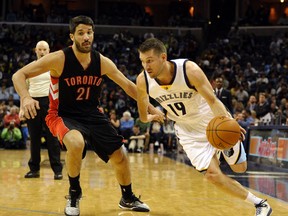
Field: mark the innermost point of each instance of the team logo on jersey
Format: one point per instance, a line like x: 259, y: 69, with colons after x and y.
x: 166, y: 87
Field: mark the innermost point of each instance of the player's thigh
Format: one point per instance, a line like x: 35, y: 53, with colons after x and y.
x: 104, y: 140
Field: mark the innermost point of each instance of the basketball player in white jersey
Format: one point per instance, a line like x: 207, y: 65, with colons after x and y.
x: 182, y: 88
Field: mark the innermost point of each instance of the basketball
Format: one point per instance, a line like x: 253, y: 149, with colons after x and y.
x: 223, y: 132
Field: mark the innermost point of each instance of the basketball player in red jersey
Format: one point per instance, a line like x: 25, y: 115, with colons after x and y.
x: 76, y: 77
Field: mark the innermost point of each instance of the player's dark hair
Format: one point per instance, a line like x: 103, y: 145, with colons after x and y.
x: 152, y: 44
x: 75, y: 21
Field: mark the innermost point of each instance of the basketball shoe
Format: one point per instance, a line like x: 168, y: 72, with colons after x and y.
x: 228, y: 152
x: 72, y: 206
x: 263, y: 209
x: 133, y: 204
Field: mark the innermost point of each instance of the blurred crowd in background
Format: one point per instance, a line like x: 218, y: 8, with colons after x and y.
x: 253, y: 69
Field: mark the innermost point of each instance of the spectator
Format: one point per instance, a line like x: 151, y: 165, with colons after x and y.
x: 156, y: 137
x: 251, y: 103
x: 262, y: 108
x: 254, y: 116
x: 250, y: 73
x: 244, y: 119
x: 223, y: 94
x: 242, y: 95
x: 144, y: 129
x: 11, y: 103
x: 285, y: 109
x: 4, y: 94
x: 262, y: 81
x: 136, y: 141
x: 12, y: 116
x: 114, y: 120
x: 126, y: 125
x: 169, y: 136
x: 3, y: 112
x: 12, y: 136
x: 282, y: 91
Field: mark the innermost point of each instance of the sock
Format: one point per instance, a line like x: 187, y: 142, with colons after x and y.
x: 126, y: 191
x: 253, y: 199
x: 75, y: 184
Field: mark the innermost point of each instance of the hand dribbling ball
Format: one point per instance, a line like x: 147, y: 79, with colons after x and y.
x: 223, y: 132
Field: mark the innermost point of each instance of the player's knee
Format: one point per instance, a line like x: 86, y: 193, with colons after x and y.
x: 74, y: 141
x: 119, y: 157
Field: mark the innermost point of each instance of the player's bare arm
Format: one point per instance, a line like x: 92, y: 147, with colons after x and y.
x: 142, y: 98
x: 143, y: 102
x: 198, y: 79
x: 51, y: 62
x: 110, y: 69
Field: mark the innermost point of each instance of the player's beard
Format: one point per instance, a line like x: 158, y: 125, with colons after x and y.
x: 82, y: 49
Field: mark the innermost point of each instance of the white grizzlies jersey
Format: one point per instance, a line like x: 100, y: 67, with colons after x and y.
x: 183, y: 103
x: 191, y: 114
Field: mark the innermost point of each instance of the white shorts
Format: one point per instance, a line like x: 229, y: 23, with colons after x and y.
x: 200, y: 151
x: 196, y: 146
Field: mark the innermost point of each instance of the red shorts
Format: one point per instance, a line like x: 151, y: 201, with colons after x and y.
x: 101, y: 136
x: 57, y: 127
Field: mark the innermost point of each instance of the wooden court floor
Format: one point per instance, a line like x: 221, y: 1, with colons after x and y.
x: 169, y: 187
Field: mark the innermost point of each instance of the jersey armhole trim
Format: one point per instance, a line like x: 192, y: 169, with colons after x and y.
x: 186, y: 77
x: 146, y: 80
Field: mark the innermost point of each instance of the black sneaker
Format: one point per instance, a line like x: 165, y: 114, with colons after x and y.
x: 58, y: 176
x: 133, y: 204
x: 72, y: 205
x: 32, y: 174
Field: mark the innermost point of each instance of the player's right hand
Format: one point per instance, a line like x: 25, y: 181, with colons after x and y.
x: 29, y: 106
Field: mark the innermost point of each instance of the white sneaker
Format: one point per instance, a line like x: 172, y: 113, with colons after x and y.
x: 72, y: 206
x: 263, y: 209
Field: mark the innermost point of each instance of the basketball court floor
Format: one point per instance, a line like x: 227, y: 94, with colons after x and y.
x: 169, y: 185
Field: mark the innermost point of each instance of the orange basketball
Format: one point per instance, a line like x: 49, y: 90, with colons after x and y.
x: 223, y: 132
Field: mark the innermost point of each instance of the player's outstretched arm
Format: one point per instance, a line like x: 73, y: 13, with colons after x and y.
x: 109, y: 69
